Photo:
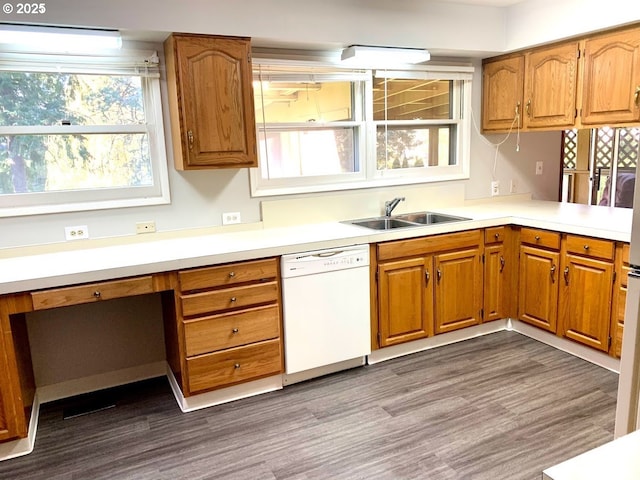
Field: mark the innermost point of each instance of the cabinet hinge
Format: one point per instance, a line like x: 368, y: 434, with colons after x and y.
x: 609, y: 342
x: 379, y: 339
x: 376, y: 277
x: 482, y: 313
x: 578, y: 53
x: 482, y: 258
x: 615, y: 274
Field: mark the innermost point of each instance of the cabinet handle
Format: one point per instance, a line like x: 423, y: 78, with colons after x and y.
x: 566, y: 275
x: 553, y: 274
x: 529, y: 108
x: 496, y: 235
x: 232, y: 274
x: 427, y: 275
x: 438, y: 274
x: 235, y: 330
x: 190, y: 137
x: 233, y: 299
x: 537, y: 238
x: 97, y: 294
x: 501, y: 264
x: 586, y: 247
x: 517, y: 109
x: 636, y: 96
x: 236, y: 366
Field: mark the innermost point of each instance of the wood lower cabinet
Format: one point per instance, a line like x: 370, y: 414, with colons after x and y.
x: 586, y: 290
x: 500, y: 273
x: 538, y: 278
x: 229, y: 324
x: 428, y: 285
x: 405, y: 293
x: 209, y: 80
x: 622, y: 270
x: 458, y: 289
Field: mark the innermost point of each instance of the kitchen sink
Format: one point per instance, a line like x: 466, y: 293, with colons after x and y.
x: 429, y: 218
x: 382, y: 223
x: 416, y: 219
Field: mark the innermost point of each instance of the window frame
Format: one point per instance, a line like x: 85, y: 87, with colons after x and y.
x: 132, y: 62
x: 370, y: 176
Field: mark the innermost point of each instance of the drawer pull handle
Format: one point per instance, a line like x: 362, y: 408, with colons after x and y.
x: 97, y: 294
x: 501, y: 264
x: 236, y: 366
x: 497, y: 236
x: 232, y: 274
x: 553, y: 274
x: 233, y: 299
x: 235, y: 330
x: 586, y: 247
x: 537, y: 238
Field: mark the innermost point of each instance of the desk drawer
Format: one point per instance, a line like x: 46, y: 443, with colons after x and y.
x: 94, y: 292
x: 234, y: 365
x: 229, y: 298
x: 227, y: 330
x: 228, y: 275
x: 591, y: 247
x: 540, y: 238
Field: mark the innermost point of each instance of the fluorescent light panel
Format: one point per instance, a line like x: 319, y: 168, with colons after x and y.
x: 383, y: 56
x: 58, y: 39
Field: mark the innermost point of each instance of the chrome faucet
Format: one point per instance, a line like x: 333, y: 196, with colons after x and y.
x: 390, y: 205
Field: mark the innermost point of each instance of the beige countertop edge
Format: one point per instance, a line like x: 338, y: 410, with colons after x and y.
x: 165, y: 253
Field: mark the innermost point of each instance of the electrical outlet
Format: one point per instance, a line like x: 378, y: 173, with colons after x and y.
x: 76, y: 233
x: 512, y: 186
x: 495, y: 188
x: 539, y: 166
x: 230, y: 218
x: 146, y: 227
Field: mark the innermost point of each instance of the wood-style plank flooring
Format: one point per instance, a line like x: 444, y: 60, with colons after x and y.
x: 501, y: 406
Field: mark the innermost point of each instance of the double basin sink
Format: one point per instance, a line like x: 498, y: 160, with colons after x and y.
x: 417, y: 219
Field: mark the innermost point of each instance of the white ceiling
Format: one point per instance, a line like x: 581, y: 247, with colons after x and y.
x: 488, y: 3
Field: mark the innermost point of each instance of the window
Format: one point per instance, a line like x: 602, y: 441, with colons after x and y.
x: 605, y: 172
x: 79, y: 133
x: 325, y: 128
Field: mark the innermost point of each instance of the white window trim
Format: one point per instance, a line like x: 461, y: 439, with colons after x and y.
x: 369, y: 176
x: 136, y: 62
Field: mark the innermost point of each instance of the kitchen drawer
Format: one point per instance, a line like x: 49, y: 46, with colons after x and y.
x: 229, y: 298
x: 92, y: 292
x: 540, y: 238
x: 591, y: 247
x: 494, y: 234
x: 228, y: 275
x: 235, y: 365
x: 227, y: 330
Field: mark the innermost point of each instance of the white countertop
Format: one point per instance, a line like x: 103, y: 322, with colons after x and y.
x: 617, y: 460
x: 25, y: 272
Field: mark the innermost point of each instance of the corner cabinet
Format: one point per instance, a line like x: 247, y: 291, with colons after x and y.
x: 611, y: 78
x: 211, y: 103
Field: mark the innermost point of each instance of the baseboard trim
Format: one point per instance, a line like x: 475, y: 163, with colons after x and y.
x: 224, y: 395
x: 23, y: 446
x: 291, y: 378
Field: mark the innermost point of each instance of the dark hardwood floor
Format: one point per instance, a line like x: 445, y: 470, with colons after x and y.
x: 497, y: 407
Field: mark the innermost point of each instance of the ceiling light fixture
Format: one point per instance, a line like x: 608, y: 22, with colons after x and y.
x: 58, y: 39
x: 360, y: 55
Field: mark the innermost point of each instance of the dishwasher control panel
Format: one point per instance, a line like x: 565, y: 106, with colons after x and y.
x: 310, y: 263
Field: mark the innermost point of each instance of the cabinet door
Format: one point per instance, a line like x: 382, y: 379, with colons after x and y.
x: 619, y: 298
x: 215, y: 97
x: 458, y: 289
x: 611, y: 78
x: 502, y: 87
x: 550, y: 86
x: 494, y: 282
x: 585, y: 309
x: 538, y: 289
x: 405, y: 296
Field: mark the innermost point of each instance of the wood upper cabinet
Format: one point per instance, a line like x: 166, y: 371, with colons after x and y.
x: 405, y: 300
x: 211, y: 101
x: 502, y: 90
x: 550, y: 86
x: 538, y: 278
x: 586, y: 291
x: 611, y: 79
x: 458, y: 289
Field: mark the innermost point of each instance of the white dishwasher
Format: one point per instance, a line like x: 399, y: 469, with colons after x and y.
x: 326, y: 313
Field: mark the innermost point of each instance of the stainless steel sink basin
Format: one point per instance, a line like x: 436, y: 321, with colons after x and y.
x: 416, y: 219
x: 429, y: 218
x: 382, y: 223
